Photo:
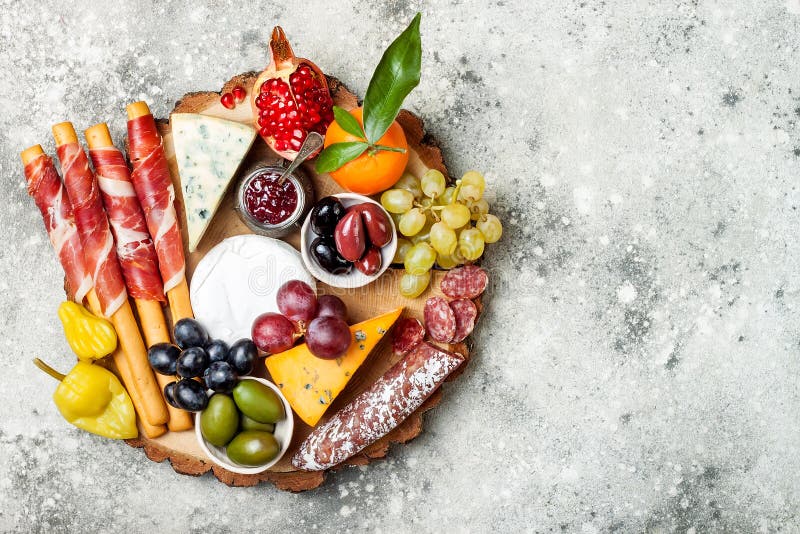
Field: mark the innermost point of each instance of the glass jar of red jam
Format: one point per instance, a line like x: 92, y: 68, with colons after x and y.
x: 273, y: 209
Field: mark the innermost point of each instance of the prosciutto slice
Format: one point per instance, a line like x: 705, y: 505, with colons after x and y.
x: 135, y: 250
x: 45, y: 186
x: 95, y: 234
x: 153, y: 185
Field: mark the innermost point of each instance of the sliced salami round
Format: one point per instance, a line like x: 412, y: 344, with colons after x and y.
x: 465, y: 282
x: 439, y: 320
x: 407, y: 334
x: 465, y: 313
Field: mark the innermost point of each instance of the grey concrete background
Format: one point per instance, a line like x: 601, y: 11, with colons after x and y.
x: 637, y: 366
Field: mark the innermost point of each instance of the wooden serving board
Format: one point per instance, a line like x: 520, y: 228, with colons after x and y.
x: 181, y: 448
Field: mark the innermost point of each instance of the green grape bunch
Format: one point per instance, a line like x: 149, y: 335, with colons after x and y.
x: 439, y: 225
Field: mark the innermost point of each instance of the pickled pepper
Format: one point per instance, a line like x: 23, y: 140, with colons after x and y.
x: 93, y: 399
x: 89, y: 336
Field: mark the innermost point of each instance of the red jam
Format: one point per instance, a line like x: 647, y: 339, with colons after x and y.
x: 268, y: 202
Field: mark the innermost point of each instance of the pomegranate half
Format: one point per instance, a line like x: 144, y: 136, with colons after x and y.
x: 290, y: 98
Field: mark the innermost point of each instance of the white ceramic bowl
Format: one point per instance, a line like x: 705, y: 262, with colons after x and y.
x: 354, y: 278
x: 283, y: 434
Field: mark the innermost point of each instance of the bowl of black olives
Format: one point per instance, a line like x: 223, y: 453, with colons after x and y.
x: 347, y: 240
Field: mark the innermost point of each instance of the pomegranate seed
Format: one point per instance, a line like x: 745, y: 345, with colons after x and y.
x: 281, y: 145
x: 227, y: 101
x: 264, y: 132
x: 295, y: 144
x: 239, y: 93
x: 263, y: 121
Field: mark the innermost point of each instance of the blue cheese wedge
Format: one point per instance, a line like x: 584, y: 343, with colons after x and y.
x: 208, y: 151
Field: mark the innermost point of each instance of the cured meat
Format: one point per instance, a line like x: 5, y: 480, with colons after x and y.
x: 137, y: 255
x: 465, y: 282
x: 379, y: 409
x: 95, y: 234
x: 45, y: 186
x: 153, y: 185
x: 439, y: 320
x: 407, y: 334
x: 465, y: 313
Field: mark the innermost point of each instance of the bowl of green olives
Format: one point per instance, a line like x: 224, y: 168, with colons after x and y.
x: 248, y: 430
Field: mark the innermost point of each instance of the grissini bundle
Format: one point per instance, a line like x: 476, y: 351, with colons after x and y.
x: 44, y: 185
x: 135, y: 249
x: 153, y: 184
x: 101, y: 259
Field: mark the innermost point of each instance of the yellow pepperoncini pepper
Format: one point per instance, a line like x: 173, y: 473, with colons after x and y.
x: 93, y: 399
x: 91, y: 337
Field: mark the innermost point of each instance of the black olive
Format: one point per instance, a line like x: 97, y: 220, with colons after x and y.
x: 217, y: 351
x: 190, y: 395
x: 190, y: 333
x: 325, y: 214
x: 326, y: 255
x: 163, y: 358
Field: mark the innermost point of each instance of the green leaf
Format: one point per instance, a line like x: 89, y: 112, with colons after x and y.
x: 395, y: 76
x: 348, y: 123
x: 338, y: 154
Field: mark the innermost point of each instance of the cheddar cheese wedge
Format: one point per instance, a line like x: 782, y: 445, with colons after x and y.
x: 311, y: 384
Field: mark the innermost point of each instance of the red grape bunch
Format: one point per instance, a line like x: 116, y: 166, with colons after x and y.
x: 322, y: 321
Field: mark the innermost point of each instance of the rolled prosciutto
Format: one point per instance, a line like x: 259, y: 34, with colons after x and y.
x: 135, y: 250
x: 93, y: 229
x: 45, y: 186
x: 153, y: 185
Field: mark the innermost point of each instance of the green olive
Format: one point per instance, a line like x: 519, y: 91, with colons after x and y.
x: 251, y: 424
x: 258, y: 402
x: 220, y: 420
x: 253, y: 448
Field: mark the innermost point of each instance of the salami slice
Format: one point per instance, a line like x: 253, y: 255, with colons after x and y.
x: 439, y: 320
x: 407, y: 334
x: 465, y: 282
x: 465, y: 313
x: 378, y: 410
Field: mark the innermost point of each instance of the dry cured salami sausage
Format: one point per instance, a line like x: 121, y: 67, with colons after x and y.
x: 465, y: 313
x: 439, y: 320
x: 379, y: 409
x: 407, y: 334
x: 465, y: 282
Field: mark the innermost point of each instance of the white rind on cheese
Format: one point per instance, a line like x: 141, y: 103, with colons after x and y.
x: 238, y: 280
x: 208, y: 151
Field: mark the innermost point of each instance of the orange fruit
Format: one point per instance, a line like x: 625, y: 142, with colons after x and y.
x: 373, y: 171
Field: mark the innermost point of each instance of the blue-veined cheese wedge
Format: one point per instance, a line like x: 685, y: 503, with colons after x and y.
x: 208, y: 151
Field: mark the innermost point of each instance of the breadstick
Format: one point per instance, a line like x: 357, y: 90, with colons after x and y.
x: 46, y: 189
x: 124, y: 370
x: 150, y: 180
x: 101, y: 259
x: 134, y: 249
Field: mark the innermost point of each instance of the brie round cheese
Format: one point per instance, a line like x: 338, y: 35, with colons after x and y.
x: 238, y: 280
